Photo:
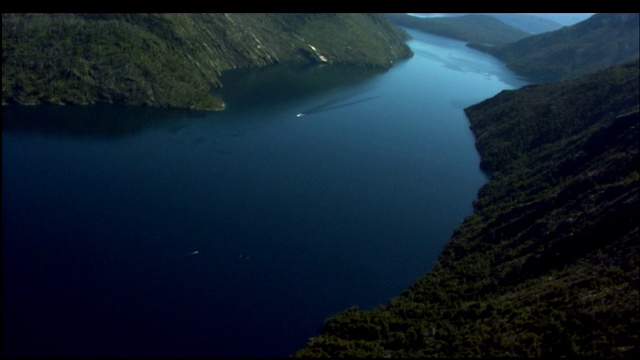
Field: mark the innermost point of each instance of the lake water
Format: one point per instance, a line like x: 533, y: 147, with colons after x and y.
x: 161, y: 233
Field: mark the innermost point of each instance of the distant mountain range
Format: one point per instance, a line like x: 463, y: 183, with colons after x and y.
x: 174, y: 60
x: 564, y: 19
x: 536, y: 23
x: 484, y: 29
x: 601, y: 41
x: 532, y: 24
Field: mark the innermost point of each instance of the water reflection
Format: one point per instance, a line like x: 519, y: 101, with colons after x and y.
x: 96, y: 121
x: 245, y: 90
x: 457, y: 56
x: 334, y: 103
x: 288, y: 83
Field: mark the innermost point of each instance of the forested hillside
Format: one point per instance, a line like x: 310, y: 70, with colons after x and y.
x: 601, y: 41
x: 484, y: 29
x: 531, y: 23
x: 548, y: 263
x: 174, y: 60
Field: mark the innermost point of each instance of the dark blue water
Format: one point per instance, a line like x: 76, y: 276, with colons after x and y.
x: 147, y: 232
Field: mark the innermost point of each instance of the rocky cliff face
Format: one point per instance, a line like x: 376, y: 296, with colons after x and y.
x: 174, y: 60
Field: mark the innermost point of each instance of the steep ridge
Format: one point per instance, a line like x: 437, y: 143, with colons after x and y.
x: 531, y: 23
x: 548, y: 263
x: 601, y: 41
x: 483, y: 29
x: 174, y: 60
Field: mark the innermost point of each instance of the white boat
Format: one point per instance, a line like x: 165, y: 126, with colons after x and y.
x: 194, y: 252
x: 300, y: 115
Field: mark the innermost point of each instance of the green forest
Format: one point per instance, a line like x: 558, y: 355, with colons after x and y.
x: 548, y: 263
x: 174, y: 60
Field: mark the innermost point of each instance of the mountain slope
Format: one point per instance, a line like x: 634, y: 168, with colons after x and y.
x: 601, y: 41
x: 531, y: 23
x: 483, y: 29
x: 174, y: 60
x: 548, y: 263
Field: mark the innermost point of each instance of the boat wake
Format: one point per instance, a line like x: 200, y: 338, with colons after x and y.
x: 333, y: 104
